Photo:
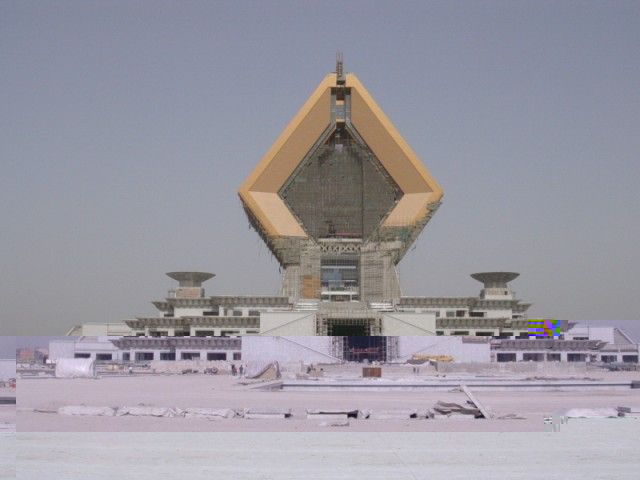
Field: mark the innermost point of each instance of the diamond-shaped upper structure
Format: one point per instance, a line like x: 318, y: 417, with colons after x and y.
x: 352, y: 194
x: 339, y: 174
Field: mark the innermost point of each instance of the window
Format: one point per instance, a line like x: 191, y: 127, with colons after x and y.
x: 581, y: 338
x: 210, y: 313
x: 609, y: 358
x: 460, y: 313
x: 190, y: 355
x: 104, y: 357
x: 533, y: 357
x: 228, y: 333
x: 205, y: 333
x: 630, y: 358
x: 144, y: 356
x: 576, y: 357
x: 82, y: 355
x: 450, y: 314
x: 237, y: 355
x: 476, y: 314
x: 506, y: 357
x: 484, y: 334
x: 167, y: 355
x: 254, y: 313
x: 440, y: 333
x: 126, y: 357
x: 553, y: 357
x: 340, y: 278
x: 237, y: 313
x: 216, y: 356
x: 461, y: 332
x: 159, y: 333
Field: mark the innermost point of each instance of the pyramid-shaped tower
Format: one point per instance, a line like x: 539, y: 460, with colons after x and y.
x: 340, y: 197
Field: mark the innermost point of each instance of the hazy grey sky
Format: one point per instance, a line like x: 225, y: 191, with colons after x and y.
x: 7, y: 347
x: 126, y: 128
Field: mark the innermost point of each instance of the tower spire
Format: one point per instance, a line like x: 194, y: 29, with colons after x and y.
x: 339, y: 69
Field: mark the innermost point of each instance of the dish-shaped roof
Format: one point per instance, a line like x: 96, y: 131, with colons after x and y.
x: 495, y: 279
x: 190, y: 279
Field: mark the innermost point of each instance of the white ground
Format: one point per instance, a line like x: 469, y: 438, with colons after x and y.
x: 7, y: 455
x: 224, y: 392
x: 604, y: 449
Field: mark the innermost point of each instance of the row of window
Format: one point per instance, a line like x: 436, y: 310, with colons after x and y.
x: 503, y: 335
x: 556, y: 357
x: 149, y: 356
x: 216, y: 313
x: 198, y: 333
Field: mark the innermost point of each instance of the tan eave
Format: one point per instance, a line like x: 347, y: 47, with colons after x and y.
x: 396, y: 156
x: 260, y: 191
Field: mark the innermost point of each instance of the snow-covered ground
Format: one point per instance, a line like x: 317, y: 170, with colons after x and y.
x: 7, y: 455
x: 582, y: 450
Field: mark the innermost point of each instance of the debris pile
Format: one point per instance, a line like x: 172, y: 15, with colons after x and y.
x: 270, y: 371
x: 75, y: 368
x: 629, y: 412
x: 448, y: 409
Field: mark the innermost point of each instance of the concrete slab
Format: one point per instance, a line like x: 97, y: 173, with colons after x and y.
x: 393, y: 414
x: 327, y: 417
x: 266, y: 413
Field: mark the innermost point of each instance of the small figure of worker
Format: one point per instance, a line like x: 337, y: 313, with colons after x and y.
x: 234, y: 371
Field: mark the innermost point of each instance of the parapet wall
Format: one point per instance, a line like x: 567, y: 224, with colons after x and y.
x: 536, y: 368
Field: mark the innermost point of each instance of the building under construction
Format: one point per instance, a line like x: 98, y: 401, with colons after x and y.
x: 339, y: 199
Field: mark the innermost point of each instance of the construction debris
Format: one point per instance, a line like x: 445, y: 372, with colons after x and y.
x: 449, y: 409
x: 209, y: 413
x: 266, y: 413
x: 146, y: 411
x: 328, y: 417
x: 511, y: 416
x: 271, y: 371
x: 347, y: 413
x: 394, y: 414
x: 592, y: 413
x: 75, y: 368
x: 629, y: 412
x: 83, y: 410
x: 485, y: 413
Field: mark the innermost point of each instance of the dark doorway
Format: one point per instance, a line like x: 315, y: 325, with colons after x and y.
x: 349, y: 331
x: 348, y: 327
x: 360, y: 349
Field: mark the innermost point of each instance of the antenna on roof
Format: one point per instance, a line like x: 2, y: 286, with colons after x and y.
x: 339, y: 69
